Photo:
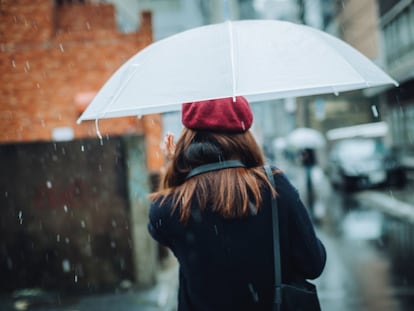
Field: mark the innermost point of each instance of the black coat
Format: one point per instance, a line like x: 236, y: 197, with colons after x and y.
x: 227, y: 264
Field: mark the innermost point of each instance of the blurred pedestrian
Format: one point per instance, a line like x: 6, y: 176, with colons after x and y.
x: 213, y: 210
x: 308, y: 160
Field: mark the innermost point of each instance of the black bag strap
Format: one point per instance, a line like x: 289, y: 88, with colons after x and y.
x: 276, y: 244
x: 214, y: 167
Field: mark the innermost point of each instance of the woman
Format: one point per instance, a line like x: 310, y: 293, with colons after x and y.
x: 213, y: 210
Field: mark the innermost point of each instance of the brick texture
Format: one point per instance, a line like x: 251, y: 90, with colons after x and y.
x: 53, y: 55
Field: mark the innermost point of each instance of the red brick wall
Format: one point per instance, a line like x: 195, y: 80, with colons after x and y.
x: 25, y: 21
x: 51, y: 55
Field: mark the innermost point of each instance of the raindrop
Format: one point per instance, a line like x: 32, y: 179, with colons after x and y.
x: 57, y: 237
x: 83, y: 224
x: 9, y: 263
x: 65, y: 208
x: 6, y: 194
x: 61, y: 47
x: 20, y: 217
x: 66, y: 265
x: 253, y: 292
x: 113, y: 244
x: 122, y: 263
x: 88, y: 25
x: 13, y: 63
x: 215, y: 229
x: 82, y: 148
x: 100, y: 167
x: 76, y: 278
x: 114, y: 223
x: 49, y: 184
x: 27, y: 66
x: 243, y: 126
x: 374, y: 111
x: 67, y: 240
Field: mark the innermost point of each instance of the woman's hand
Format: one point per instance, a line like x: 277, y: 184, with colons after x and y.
x: 169, y: 145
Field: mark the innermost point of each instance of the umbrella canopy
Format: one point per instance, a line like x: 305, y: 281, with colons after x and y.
x: 304, y: 137
x: 258, y: 59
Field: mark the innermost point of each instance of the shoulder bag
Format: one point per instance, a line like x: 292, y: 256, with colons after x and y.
x: 299, y: 295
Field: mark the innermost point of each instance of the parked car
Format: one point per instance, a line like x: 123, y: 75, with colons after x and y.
x: 355, y: 164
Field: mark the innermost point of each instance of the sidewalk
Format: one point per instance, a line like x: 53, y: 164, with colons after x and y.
x: 161, y: 297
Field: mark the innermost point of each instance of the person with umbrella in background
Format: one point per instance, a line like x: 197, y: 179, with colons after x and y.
x: 308, y: 160
x: 213, y: 210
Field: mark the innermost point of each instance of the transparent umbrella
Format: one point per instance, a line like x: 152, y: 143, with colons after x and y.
x: 303, y: 137
x: 258, y: 59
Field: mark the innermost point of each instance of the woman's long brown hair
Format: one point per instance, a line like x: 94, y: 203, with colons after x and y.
x: 230, y: 192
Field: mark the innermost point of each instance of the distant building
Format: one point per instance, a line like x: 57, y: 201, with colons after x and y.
x: 397, y: 27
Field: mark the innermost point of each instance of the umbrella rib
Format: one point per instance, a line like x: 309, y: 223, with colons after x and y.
x: 118, y: 93
x: 233, y: 74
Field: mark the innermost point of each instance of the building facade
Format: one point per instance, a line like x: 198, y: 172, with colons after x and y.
x: 397, y: 26
x: 73, y: 207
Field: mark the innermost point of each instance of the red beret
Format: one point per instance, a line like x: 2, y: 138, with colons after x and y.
x: 218, y: 115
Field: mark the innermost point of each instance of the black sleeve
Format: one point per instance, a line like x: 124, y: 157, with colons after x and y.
x: 307, y: 251
x: 157, y: 223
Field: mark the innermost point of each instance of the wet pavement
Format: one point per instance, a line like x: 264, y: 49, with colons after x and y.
x: 161, y: 297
